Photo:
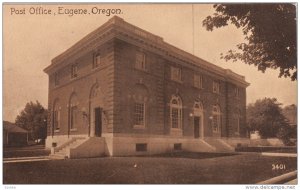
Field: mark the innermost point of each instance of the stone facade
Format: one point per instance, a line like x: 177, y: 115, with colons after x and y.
x: 136, y: 68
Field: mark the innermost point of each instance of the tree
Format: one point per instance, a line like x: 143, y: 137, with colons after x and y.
x: 265, y: 116
x: 270, y: 34
x: 33, y: 118
x: 290, y: 112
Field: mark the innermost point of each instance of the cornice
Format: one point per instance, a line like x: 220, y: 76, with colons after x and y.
x: 116, y: 27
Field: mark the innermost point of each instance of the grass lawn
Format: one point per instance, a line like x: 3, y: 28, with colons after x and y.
x: 181, y: 168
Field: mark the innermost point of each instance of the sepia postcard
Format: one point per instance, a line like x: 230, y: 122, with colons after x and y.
x: 140, y: 93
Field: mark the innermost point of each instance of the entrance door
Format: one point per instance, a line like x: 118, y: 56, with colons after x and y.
x: 196, y: 127
x: 98, y: 122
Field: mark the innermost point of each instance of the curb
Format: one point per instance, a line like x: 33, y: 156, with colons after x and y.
x: 281, y: 179
x: 24, y: 158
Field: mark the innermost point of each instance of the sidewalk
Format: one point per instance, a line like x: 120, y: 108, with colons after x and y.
x: 25, y: 159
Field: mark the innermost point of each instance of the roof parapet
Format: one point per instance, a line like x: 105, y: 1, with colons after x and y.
x: 136, y: 30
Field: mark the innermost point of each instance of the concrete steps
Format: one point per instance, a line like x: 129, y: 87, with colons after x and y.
x: 80, y: 148
x: 63, y: 151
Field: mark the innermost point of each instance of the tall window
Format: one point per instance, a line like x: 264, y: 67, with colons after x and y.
x: 140, y: 97
x: 97, y: 60
x: 216, y: 122
x: 56, y: 116
x: 56, y: 120
x: 139, y: 114
x: 56, y: 79
x: 216, y: 87
x: 176, y: 74
x: 73, y: 111
x: 73, y: 117
x: 140, y: 61
x: 197, y: 81
x: 176, y: 112
x: 74, y: 70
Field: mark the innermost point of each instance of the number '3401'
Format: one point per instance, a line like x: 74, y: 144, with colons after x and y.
x: 278, y: 166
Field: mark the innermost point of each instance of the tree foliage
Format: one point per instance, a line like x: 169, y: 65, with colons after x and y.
x: 33, y: 118
x: 290, y: 112
x: 270, y: 34
x: 265, y: 116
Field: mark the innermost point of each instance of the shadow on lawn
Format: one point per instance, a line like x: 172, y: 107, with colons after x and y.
x: 192, y: 155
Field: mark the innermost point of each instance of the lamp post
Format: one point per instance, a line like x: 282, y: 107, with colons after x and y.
x: 44, y: 131
x: 211, y: 121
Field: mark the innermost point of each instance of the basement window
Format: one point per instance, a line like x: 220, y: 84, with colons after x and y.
x: 141, y: 147
x: 177, y: 146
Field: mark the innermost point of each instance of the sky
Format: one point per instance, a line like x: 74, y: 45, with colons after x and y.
x: 30, y: 41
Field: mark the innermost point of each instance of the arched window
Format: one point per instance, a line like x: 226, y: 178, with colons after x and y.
x: 176, y: 112
x: 216, y: 123
x: 73, y: 112
x: 56, y: 116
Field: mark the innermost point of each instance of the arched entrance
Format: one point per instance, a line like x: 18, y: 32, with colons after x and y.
x: 96, y: 112
x: 74, y: 118
x: 198, y: 120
